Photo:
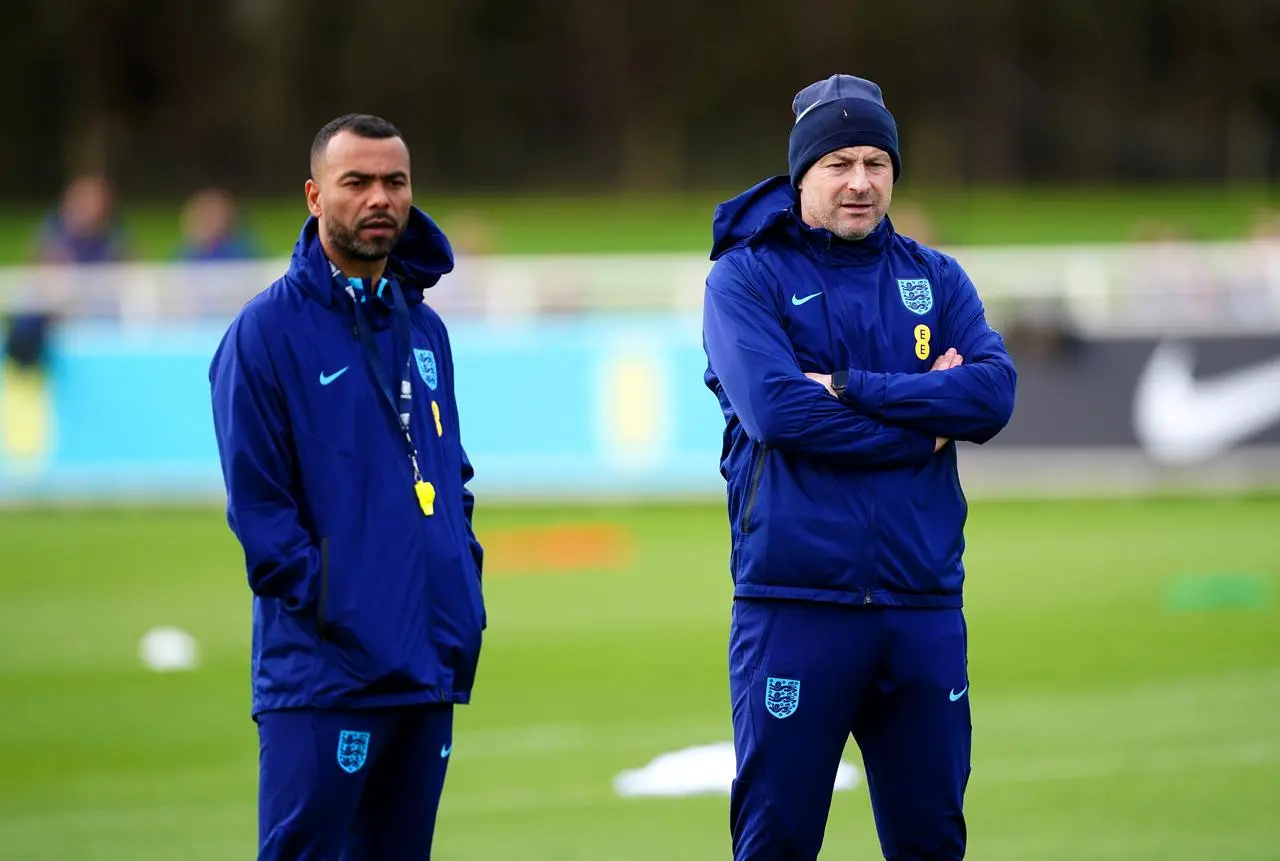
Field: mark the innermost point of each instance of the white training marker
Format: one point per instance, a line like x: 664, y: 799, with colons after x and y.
x: 167, y: 650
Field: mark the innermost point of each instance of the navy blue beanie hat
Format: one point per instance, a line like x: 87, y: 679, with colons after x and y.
x: 841, y: 111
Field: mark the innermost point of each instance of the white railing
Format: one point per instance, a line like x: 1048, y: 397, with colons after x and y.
x: 1117, y: 288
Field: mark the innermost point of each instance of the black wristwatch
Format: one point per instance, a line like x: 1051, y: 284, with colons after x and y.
x: 840, y: 383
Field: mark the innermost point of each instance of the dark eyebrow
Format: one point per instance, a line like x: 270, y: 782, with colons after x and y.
x: 355, y: 174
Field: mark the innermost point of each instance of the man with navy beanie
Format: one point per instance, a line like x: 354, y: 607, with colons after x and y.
x: 847, y: 360
x: 840, y: 111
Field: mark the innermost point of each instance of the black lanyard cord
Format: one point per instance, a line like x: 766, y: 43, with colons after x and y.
x: 401, y: 408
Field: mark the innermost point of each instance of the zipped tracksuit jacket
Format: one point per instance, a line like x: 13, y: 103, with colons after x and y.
x: 845, y: 524
x: 367, y: 613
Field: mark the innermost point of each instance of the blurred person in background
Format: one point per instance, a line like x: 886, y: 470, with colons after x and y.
x: 82, y: 230
x: 334, y: 411
x: 1168, y: 281
x: 211, y: 230
x: 468, y: 290
x: 81, y: 233
x: 26, y: 402
x: 84, y: 227
x: 846, y: 357
x: 912, y: 220
x: 1253, y: 280
x: 211, y: 234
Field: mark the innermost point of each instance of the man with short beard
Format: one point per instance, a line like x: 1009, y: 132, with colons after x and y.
x: 334, y: 411
x: 846, y: 358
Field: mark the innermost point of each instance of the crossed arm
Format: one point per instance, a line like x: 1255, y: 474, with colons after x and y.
x: 945, y: 362
x: 759, y: 373
x: 877, y: 419
x: 972, y: 397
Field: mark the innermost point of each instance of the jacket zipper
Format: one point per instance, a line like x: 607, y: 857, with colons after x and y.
x: 875, y: 542
x: 322, y: 605
x: 834, y: 310
x: 754, y: 489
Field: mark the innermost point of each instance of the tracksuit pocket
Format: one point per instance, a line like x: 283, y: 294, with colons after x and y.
x: 752, y: 623
x: 753, y: 488
x: 456, y: 618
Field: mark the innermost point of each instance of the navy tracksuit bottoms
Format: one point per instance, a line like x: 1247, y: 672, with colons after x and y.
x: 806, y: 676
x: 358, y: 785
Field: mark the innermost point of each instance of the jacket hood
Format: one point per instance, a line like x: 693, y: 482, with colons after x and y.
x: 758, y: 209
x: 420, y: 257
x: 771, y: 206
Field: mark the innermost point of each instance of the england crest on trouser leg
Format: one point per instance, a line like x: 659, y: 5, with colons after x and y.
x: 353, y: 749
x: 781, y: 696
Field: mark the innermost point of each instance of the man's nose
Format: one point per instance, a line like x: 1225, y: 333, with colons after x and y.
x: 379, y: 198
x: 858, y: 179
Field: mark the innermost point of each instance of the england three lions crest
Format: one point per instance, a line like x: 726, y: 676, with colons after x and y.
x: 353, y: 750
x: 427, y: 367
x: 782, y: 696
x: 916, y: 294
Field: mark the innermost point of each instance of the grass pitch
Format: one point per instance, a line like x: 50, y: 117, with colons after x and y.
x: 1114, y: 717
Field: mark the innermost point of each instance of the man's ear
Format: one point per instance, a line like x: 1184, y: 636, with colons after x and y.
x: 312, y: 191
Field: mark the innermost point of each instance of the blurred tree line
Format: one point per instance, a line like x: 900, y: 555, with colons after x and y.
x: 500, y: 95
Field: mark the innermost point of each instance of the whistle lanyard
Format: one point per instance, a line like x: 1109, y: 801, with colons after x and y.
x: 401, y: 407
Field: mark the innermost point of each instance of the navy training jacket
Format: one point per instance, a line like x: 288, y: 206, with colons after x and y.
x: 360, y: 600
x: 844, y: 500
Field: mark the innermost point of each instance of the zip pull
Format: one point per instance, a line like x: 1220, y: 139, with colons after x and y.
x: 355, y: 318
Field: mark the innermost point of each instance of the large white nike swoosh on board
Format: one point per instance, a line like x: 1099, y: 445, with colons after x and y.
x: 1181, y: 420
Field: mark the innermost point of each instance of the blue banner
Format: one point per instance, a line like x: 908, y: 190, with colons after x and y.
x: 579, y: 407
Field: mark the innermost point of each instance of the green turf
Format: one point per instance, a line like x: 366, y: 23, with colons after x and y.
x: 671, y: 222
x: 1107, y: 726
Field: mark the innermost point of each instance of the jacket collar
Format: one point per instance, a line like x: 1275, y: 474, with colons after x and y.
x: 421, y: 256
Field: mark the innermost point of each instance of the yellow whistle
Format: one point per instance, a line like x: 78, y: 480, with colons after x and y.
x: 426, y: 497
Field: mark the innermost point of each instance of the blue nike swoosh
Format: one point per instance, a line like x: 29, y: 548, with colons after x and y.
x: 955, y: 696
x: 326, y: 379
x: 445, y: 751
x: 801, y: 301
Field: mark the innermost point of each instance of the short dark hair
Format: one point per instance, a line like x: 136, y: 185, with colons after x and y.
x: 364, y: 125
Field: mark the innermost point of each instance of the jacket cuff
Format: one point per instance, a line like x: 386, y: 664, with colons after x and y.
x: 921, y: 447
x: 867, y: 394
x: 852, y: 388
